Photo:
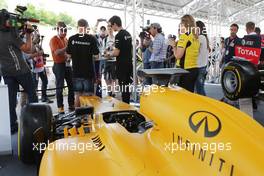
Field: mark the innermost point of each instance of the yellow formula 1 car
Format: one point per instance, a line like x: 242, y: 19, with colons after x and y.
x: 174, y: 132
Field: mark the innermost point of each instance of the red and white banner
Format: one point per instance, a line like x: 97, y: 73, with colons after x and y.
x: 249, y: 53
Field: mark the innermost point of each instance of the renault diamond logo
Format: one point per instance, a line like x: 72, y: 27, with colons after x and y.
x: 212, y: 125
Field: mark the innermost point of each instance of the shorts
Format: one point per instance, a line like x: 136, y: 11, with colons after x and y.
x: 110, y: 71
x: 83, y: 85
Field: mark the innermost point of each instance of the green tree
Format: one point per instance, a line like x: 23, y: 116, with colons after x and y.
x: 66, y: 19
x: 31, y: 11
x: 48, y: 17
x: 3, y: 4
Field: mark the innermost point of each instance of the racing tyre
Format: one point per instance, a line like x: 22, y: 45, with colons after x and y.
x: 35, y: 119
x: 240, y: 79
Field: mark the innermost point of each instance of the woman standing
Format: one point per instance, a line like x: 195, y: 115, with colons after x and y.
x: 187, y: 51
x: 202, y: 58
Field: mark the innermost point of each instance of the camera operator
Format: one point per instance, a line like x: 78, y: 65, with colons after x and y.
x: 13, y: 67
x: 61, y: 67
x: 39, y: 71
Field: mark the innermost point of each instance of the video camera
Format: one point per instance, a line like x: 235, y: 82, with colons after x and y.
x: 145, y: 32
x: 10, y: 21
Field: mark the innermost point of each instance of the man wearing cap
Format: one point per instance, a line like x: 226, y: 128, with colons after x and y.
x: 82, y: 47
x: 61, y: 67
x: 159, y: 49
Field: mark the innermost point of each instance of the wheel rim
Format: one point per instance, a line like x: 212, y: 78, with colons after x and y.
x: 230, y: 81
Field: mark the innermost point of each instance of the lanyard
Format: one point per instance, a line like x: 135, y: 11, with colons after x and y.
x: 231, y: 42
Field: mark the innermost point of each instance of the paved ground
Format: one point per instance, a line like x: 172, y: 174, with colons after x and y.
x: 11, y: 166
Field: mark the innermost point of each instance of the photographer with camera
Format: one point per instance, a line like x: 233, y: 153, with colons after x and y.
x: 146, y: 48
x: 13, y: 67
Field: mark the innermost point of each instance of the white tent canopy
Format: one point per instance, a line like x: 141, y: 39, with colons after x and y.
x: 224, y: 11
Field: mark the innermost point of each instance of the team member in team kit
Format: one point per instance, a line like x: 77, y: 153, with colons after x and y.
x: 250, y: 49
x: 123, y: 54
x: 81, y: 48
x: 187, y: 51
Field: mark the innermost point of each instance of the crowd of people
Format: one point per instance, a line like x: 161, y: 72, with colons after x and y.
x: 192, y: 51
x: 84, y: 59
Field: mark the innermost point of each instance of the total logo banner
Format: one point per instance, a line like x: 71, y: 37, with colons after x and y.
x: 249, y: 53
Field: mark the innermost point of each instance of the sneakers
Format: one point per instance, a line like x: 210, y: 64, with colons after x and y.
x: 61, y: 110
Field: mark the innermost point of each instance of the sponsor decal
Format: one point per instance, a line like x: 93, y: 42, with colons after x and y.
x: 80, y: 43
x: 249, y: 53
x: 197, y: 119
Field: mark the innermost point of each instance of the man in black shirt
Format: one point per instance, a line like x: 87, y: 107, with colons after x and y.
x: 82, y: 47
x: 230, y: 44
x: 250, y: 49
x: 123, y: 54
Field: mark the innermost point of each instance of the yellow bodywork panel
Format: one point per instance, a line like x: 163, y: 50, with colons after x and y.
x: 192, y: 135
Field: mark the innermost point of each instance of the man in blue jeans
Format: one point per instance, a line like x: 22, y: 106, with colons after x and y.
x: 61, y: 68
x: 82, y: 48
x: 146, y: 49
x: 14, y: 69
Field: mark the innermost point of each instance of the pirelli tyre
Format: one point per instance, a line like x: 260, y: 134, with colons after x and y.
x: 240, y: 79
x: 34, y: 117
